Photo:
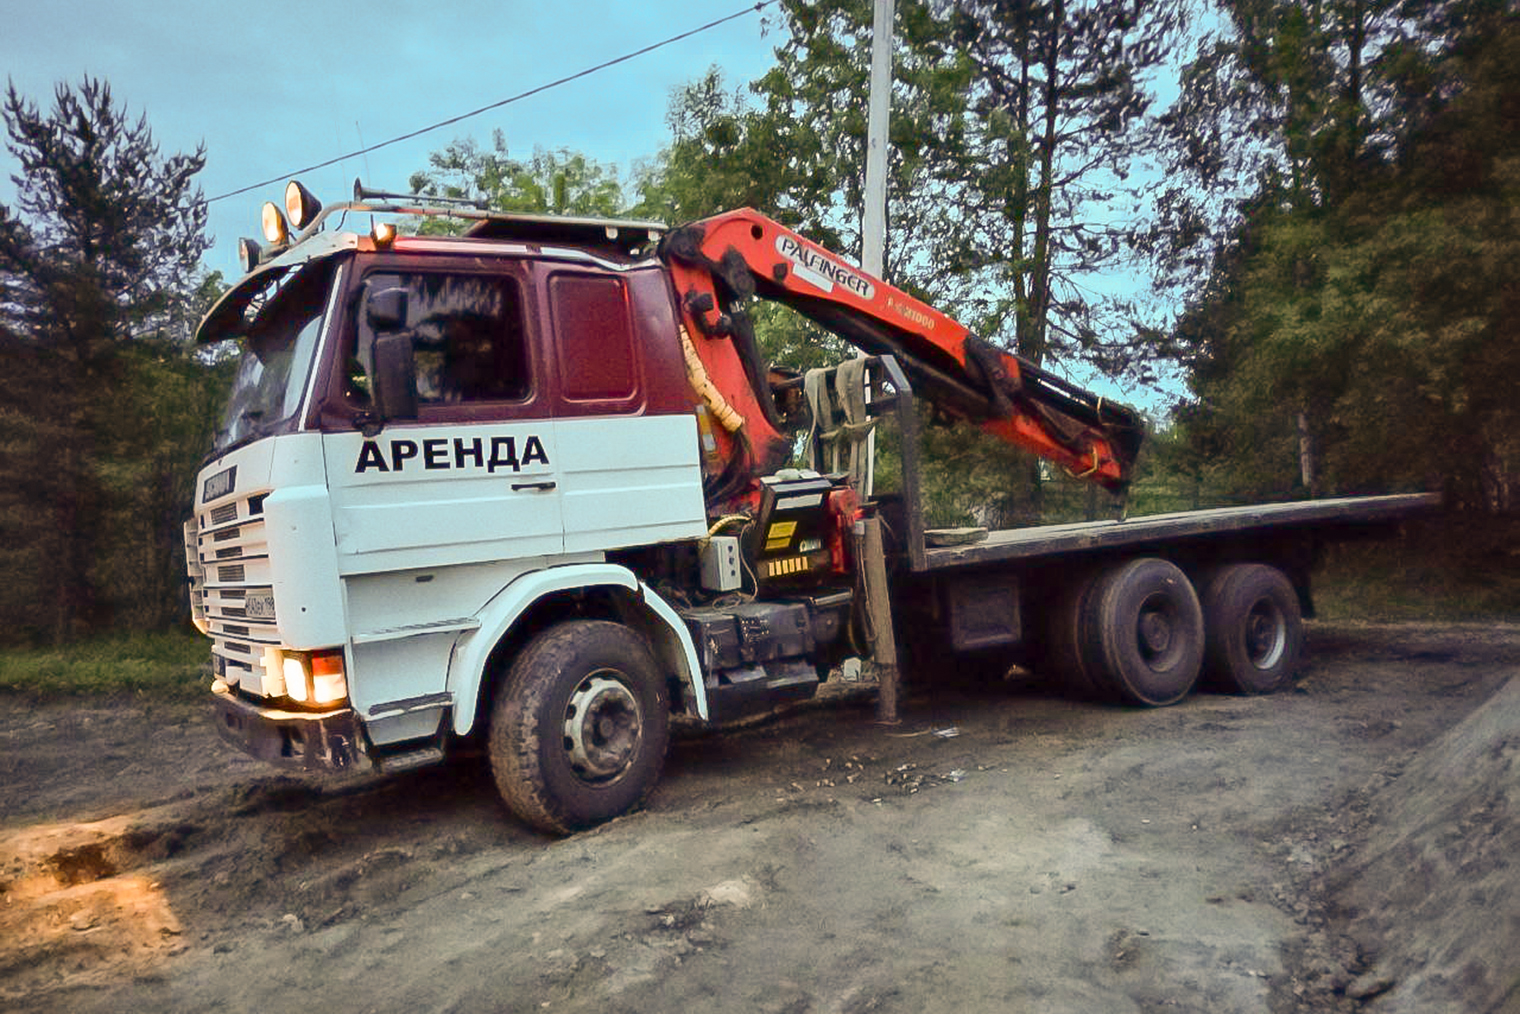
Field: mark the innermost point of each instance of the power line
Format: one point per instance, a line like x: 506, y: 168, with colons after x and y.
x: 757, y: 7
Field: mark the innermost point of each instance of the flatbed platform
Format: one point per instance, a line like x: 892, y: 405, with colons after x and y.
x: 1056, y: 540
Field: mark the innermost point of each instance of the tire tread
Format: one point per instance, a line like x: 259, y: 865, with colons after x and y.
x: 515, y: 742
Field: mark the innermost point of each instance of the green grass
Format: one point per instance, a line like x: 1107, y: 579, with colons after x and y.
x: 162, y: 666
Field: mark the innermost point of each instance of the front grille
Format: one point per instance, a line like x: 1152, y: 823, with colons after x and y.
x: 197, y: 575
x: 220, y: 591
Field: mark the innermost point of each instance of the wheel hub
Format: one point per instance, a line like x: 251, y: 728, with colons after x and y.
x: 602, y: 727
x: 1155, y: 631
x: 1266, y: 634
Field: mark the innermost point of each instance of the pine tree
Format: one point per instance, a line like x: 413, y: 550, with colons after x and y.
x: 98, y: 258
x: 1359, y: 308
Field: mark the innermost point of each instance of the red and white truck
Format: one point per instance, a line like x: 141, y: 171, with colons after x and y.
x: 528, y: 485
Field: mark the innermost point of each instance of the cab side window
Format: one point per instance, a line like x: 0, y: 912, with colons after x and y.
x: 467, y: 333
x: 594, y: 330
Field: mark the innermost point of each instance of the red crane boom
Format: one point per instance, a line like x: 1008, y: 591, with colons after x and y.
x: 718, y: 263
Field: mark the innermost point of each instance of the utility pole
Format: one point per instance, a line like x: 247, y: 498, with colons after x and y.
x: 873, y: 243
x: 873, y: 227
x: 873, y: 239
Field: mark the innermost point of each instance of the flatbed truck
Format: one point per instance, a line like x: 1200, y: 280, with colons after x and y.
x: 530, y: 487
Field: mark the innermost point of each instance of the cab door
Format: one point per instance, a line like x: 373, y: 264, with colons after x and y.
x: 475, y: 476
x: 624, y: 423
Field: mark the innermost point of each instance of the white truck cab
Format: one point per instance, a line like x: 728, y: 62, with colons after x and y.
x: 361, y: 578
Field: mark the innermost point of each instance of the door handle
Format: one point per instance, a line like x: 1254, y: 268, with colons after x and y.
x: 533, y: 485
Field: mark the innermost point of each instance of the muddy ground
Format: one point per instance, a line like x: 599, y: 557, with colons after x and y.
x: 1347, y: 845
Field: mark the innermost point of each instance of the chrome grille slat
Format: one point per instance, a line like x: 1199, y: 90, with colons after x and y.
x: 196, y: 573
x: 228, y: 558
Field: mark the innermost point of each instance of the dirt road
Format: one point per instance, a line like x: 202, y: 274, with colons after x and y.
x: 1002, y: 850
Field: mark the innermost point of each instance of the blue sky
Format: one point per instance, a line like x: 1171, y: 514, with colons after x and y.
x: 277, y: 85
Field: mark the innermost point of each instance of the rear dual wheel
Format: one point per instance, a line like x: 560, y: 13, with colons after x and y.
x: 1139, y: 634
x: 1142, y: 633
x: 1255, y: 629
x: 1133, y: 633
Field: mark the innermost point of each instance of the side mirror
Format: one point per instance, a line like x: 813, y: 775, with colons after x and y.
x: 395, y: 376
x: 385, y: 310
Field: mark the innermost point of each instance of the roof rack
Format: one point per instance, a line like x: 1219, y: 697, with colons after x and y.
x: 625, y: 235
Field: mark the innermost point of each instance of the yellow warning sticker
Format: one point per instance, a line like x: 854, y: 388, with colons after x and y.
x: 779, y: 535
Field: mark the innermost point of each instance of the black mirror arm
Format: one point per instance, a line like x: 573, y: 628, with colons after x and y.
x: 368, y: 423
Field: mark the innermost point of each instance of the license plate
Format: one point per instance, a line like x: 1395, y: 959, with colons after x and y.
x: 259, y: 605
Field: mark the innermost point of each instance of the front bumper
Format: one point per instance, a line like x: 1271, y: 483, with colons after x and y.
x: 326, y: 740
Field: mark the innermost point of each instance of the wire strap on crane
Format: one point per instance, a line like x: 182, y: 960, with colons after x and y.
x: 830, y: 433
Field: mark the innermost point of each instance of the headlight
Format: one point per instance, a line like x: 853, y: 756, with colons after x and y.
x: 306, y: 677
x: 248, y: 254
x: 275, y: 229
x: 297, y: 682
x: 300, y: 205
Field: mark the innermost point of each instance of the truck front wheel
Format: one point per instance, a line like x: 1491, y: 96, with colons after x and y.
x: 1254, y: 626
x: 579, y: 730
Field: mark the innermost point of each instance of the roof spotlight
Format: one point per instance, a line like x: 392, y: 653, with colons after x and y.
x: 275, y: 229
x: 300, y: 205
x: 248, y: 254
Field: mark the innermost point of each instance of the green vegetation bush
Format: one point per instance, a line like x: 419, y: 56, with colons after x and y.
x: 164, y: 666
x: 1459, y: 567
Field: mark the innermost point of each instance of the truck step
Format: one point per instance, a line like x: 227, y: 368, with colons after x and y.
x: 411, y: 759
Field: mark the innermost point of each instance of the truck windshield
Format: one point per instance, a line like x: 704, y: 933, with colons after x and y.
x: 276, y: 358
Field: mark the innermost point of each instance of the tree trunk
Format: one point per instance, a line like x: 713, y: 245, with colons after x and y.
x: 1040, y: 266
x: 1021, y: 288
x: 1307, y: 469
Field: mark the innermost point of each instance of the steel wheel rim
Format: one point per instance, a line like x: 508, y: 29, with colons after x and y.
x: 1156, y: 634
x: 1266, y: 634
x: 603, y: 727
